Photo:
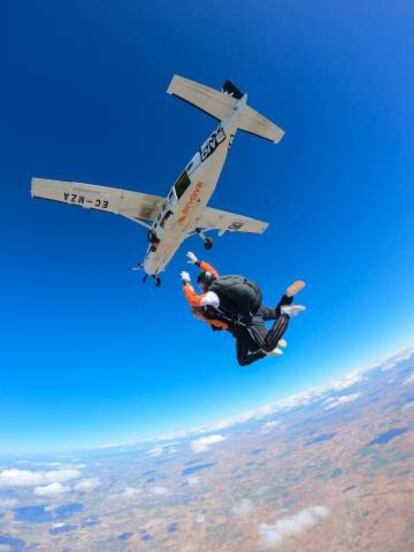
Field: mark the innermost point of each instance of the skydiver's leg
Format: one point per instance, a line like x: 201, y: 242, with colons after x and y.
x: 268, y: 340
x: 258, y: 330
x: 268, y: 313
x: 287, y: 299
x: 244, y: 356
x: 244, y: 344
x: 276, y: 332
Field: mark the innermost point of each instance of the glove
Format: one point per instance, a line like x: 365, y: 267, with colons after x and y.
x: 185, y: 277
x: 192, y: 259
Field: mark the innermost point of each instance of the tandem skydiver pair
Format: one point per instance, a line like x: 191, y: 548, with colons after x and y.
x: 235, y: 304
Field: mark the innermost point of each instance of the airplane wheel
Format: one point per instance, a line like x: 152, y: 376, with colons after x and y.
x: 157, y: 281
x: 152, y: 237
x: 208, y: 243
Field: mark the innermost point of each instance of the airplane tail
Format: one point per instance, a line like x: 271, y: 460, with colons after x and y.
x: 220, y: 104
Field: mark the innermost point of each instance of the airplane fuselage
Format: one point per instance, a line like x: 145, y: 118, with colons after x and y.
x: 190, y: 195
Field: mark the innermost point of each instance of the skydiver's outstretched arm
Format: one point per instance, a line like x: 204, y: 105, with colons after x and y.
x: 207, y: 267
x: 204, y: 266
x: 208, y: 299
x: 199, y: 300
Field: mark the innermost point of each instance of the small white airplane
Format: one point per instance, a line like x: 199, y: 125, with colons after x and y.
x: 184, y: 211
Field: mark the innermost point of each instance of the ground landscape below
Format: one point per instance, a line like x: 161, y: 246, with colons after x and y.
x: 331, y: 469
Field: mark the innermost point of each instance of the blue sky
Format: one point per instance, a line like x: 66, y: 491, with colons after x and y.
x: 90, y: 355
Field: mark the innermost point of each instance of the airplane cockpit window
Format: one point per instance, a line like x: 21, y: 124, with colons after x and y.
x: 182, y: 184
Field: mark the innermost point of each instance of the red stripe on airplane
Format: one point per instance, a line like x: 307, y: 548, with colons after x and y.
x: 190, y: 202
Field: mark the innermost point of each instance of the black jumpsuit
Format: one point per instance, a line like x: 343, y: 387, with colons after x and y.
x: 254, y: 339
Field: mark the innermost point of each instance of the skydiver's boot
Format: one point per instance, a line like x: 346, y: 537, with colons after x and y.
x: 292, y: 310
x: 287, y: 298
x: 295, y: 288
x: 275, y: 352
x: 275, y: 334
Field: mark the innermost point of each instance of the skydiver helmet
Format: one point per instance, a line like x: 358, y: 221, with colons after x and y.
x: 205, y: 279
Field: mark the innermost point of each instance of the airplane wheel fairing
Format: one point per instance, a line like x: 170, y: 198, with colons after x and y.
x: 208, y: 243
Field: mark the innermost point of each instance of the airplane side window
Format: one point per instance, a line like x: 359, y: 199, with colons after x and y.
x: 182, y: 184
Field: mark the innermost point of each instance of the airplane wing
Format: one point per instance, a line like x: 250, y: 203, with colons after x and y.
x: 133, y: 205
x: 223, y: 221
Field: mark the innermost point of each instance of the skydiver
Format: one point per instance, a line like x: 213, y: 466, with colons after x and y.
x: 234, y: 303
x: 247, y: 349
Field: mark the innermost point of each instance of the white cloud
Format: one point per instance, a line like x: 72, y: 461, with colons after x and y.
x: 7, y: 503
x: 269, y: 426
x: 334, y: 402
x: 49, y: 464
x: 409, y: 380
x: 393, y: 361
x: 5, y: 548
x: 156, y: 451
x: 53, y: 489
x: 272, y: 535
x: 120, y: 444
x: 26, y: 478
x: 243, y: 507
x: 204, y: 443
x: 159, y: 491
x: 87, y: 485
x: 58, y: 525
x: 346, y: 381
x: 193, y: 480
x: 130, y: 492
x: 302, y: 399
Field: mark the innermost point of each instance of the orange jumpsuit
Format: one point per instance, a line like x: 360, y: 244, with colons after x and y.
x: 196, y: 301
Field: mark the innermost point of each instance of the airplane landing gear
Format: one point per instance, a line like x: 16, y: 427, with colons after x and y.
x: 157, y: 280
x: 208, y: 242
x: 152, y: 237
